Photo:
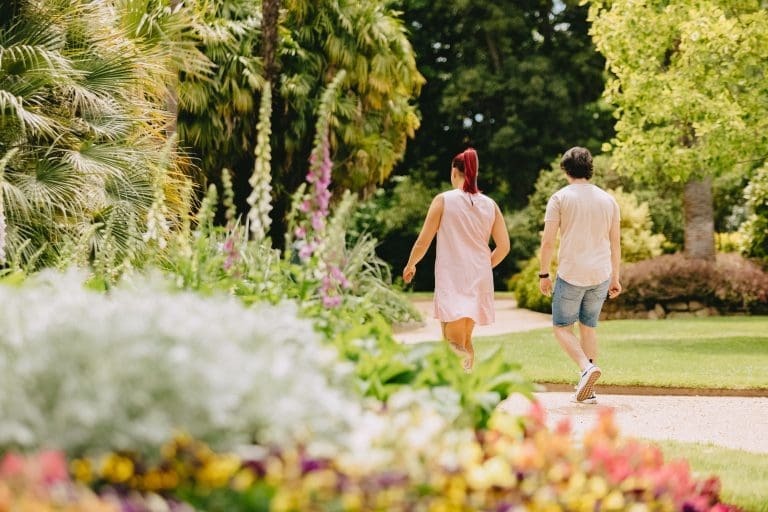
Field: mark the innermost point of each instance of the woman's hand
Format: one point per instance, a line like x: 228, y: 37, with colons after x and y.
x: 408, y: 272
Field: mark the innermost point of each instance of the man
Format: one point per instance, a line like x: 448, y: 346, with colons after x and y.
x: 587, y: 218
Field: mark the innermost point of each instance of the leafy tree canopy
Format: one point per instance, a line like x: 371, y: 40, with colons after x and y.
x: 688, y: 80
x: 371, y: 121
x: 518, y: 80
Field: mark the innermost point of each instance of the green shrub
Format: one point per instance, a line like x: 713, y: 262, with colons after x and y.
x: 755, y: 230
x: 526, y: 288
x: 731, y: 284
x: 637, y: 240
x: 728, y: 242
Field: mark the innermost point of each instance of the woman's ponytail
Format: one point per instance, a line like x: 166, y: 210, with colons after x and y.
x: 471, y: 163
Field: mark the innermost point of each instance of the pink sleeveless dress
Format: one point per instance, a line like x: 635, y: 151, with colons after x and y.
x: 463, y: 276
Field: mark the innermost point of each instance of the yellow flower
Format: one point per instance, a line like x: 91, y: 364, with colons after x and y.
x: 456, y: 491
x: 558, y: 472
x: 282, y: 501
x: 170, y: 479
x: 317, y: 480
x: 470, y: 454
x: 586, y: 503
x: 614, y: 501
x: 82, y: 470
x: 499, y: 472
x: 352, y: 501
x: 274, y: 473
x: 218, y: 470
x: 153, y: 480
x: 598, y: 486
x: 243, y: 480
x: 577, y: 482
x: 477, y: 478
x: 546, y: 499
x: 117, y: 468
x: 440, y: 505
x: 505, y: 423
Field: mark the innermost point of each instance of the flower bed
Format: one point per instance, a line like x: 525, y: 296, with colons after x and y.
x: 420, y: 465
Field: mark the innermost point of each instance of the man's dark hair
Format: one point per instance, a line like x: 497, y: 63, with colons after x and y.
x: 577, y: 162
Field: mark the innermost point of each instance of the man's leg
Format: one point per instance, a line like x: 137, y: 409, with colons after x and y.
x: 566, y: 304
x: 572, y: 346
x: 589, y: 314
x: 588, y: 342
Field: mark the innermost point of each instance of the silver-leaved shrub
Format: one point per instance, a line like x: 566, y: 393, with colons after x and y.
x: 86, y: 371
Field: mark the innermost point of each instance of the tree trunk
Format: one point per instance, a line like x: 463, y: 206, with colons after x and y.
x: 699, y: 220
x: 270, y: 10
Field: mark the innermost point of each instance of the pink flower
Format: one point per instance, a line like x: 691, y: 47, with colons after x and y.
x: 53, y: 466
x: 12, y: 465
x: 563, y: 427
x: 331, y: 301
x: 537, y: 413
x: 318, y: 221
x: 306, y: 251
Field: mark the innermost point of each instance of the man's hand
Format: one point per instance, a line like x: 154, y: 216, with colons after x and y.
x: 408, y: 272
x: 545, y: 285
x: 614, y: 289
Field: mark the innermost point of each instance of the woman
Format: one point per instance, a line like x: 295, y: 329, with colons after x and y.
x: 464, y: 220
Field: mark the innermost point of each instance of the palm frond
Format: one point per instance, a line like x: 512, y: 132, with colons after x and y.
x: 32, y: 122
x: 50, y: 186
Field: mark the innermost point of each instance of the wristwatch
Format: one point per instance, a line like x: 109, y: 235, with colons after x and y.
x: 544, y: 275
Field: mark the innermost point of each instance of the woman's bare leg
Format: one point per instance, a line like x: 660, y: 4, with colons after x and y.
x: 459, y: 335
x: 469, y: 326
x: 453, y: 332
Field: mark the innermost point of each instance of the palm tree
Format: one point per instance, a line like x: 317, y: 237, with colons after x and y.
x: 82, y: 106
x: 376, y: 114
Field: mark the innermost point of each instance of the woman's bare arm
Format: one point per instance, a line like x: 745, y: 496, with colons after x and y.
x: 428, y: 232
x: 500, y: 237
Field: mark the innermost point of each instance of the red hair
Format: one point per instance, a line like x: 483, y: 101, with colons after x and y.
x: 468, y: 163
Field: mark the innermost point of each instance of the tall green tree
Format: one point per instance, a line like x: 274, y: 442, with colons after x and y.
x: 688, y: 82
x: 315, y: 39
x: 517, y: 79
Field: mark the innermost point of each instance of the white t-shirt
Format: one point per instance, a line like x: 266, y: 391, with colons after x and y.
x: 584, y: 213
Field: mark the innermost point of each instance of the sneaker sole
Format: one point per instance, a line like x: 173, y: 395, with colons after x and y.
x: 588, y: 401
x: 588, y: 388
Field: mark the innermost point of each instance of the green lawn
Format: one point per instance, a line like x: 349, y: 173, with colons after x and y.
x: 744, y: 475
x: 717, y: 352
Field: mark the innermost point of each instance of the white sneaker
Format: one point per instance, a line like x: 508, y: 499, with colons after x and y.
x: 585, y: 388
x: 592, y: 399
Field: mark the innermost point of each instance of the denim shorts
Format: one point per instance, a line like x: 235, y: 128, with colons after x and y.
x: 572, y: 303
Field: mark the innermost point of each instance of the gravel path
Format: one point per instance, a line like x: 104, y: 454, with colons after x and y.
x: 732, y: 422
